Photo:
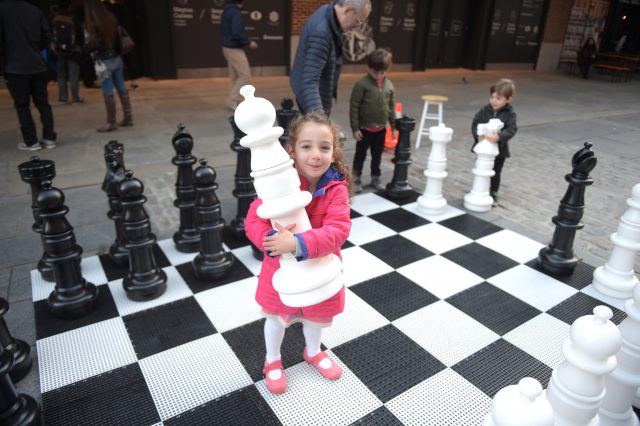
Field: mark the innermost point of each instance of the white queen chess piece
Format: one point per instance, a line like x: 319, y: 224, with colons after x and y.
x: 277, y: 183
x: 478, y: 199
x: 432, y: 202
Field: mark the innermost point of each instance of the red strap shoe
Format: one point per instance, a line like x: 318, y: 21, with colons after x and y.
x: 275, y: 386
x: 332, y: 373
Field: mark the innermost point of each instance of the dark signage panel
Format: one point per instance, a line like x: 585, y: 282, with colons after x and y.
x: 503, y: 31
x: 197, y: 35
x: 528, y: 31
x: 396, y: 28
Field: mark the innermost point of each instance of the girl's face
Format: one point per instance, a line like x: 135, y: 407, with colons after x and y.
x: 313, y: 151
x: 498, y: 101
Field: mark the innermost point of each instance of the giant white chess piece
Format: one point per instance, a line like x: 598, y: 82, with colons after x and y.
x: 616, y: 278
x: 622, y: 384
x: 576, y: 388
x: 277, y: 183
x: 432, y: 202
x: 478, y: 199
x: 523, y: 404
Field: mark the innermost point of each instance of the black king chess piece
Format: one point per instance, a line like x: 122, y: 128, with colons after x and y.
x: 212, y: 262
x: 73, y: 296
x: 34, y: 172
x: 399, y: 187
x: 145, y: 280
x: 187, y: 237
x: 114, y: 159
x: 558, y: 258
x: 15, y: 409
x: 21, y: 350
x: 284, y: 115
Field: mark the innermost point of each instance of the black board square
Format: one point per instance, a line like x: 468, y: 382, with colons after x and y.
x: 114, y: 271
x: 581, y: 304
x: 379, y: 417
x: 164, y: 327
x: 581, y: 277
x: 399, y: 219
x: 354, y: 214
x: 242, y: 407
x: 397, y: 251
x: 499, y: 365
x: 493, y: 308
x: 480, y: 260
x: 388, y: 362
x: 48, y: 325
x: 236, y: 272
x: 393, y: 295
x: 231, y: 240
x: 117, y: 397
x: 470, y: 226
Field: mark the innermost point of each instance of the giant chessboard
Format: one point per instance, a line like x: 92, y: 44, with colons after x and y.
x: 441, y: 313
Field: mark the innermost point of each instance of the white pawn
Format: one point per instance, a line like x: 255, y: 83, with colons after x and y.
x: 278, y: 185
x: 576, y: 388
x: 616, y: 277
x: 523, y: 404
x: 478, y: 199
x: 432, y: 202
x: 622, y: 384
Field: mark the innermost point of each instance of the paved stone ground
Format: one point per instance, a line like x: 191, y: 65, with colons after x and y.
x: 557, y: 113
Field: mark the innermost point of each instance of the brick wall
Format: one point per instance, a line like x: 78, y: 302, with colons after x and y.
x: 557, y: 20
x: 302, y: 9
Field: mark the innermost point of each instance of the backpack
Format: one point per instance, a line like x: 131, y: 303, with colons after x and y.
x: 64, y: 34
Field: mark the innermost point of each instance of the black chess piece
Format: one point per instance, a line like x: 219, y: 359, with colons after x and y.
x: 15, y: 409
x: 144, y: 280
x: 212, y: 262
x: 114, y: 159
x: 399, y: 187
x: 558, y: 258
x: 284, y: 115
x: 72, y: 296
x: 187, y: 237
x: 22, y: 360
x: 34, y: 172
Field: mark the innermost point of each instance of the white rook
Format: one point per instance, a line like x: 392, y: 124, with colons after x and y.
x: 616, y: 278
x: 523, y: 404
x: 576, y: 388
x: 432, y: 202
x: 622, y: 384
x: 277, y: 183
x: 478, y: 199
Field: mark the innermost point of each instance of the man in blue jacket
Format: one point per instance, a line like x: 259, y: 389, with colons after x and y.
x: 234, y: 40
x: 318, y: 61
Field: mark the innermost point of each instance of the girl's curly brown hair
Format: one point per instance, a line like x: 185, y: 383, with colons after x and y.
x: 338, y: 155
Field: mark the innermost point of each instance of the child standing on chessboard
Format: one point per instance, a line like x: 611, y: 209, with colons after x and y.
x: 371, y: 107
x: 317, y: 154
x: 499, y: 107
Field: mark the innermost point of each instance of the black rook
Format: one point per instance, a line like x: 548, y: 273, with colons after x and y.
x: 187, y: 237
x: 21, y: 350
x: 399, y: 187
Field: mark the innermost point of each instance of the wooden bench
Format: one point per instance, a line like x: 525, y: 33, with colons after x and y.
x: 570, y: 66
x: 618, y: 73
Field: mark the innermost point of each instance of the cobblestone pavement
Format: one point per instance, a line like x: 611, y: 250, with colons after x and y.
x: 556, y: 115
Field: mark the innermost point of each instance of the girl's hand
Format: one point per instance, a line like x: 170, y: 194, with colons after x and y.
x: 282, y: 242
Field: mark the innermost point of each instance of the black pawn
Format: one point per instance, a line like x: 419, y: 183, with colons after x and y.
x: 73, y: 296
x: 558, y: 258
x: 34, y: 172
x: 212, y: 262
x: 284, y: 116
x: 15, y: 409
x: 145, y: 280
x: 21, y: 351
x: 114, y: 159
x: 399, y: 187
x: 187, y: 237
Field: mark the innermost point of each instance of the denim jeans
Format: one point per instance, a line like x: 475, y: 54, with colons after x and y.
x: 116, y: 76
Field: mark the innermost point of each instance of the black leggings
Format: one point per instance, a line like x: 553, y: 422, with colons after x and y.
x: 495, y: 179
x: 375, y: 141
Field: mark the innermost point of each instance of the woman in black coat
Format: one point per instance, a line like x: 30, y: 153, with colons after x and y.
x: 587, y: 56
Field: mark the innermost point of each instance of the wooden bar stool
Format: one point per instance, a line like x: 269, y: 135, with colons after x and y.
x: 426, y: 115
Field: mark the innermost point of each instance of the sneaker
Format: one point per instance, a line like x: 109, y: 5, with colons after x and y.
x: 494, y: 195
x: 357, y: 186
x: 78, y: 101
x: 24, y: 147
x: 48, y: 143
x: 376, y: 184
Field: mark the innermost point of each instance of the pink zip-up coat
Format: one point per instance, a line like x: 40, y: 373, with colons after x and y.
x: 329, y: 214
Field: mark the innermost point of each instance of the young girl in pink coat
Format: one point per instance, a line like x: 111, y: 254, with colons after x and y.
x: 314, y: 146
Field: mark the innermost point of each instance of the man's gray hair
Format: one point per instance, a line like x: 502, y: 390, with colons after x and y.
x: 356, y: 4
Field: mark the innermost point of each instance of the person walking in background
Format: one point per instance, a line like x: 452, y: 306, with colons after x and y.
x: 103, y: 44
x: 318, y: 62
x: 234, y: 40
x: 24, y: 31
x: 587, y: 56
x: 370, y: 108
x: 68, y: 39
x: 499, y: 107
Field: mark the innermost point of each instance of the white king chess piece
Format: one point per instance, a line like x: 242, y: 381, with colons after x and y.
x: 277, y: 183
x: 478, y: 199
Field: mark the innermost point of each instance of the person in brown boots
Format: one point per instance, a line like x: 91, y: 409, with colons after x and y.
x: 103, y: 43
